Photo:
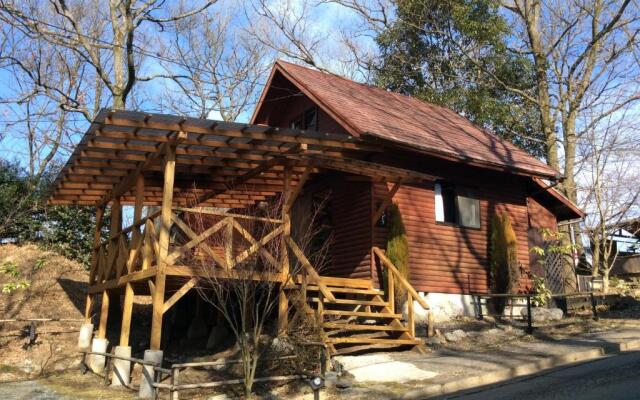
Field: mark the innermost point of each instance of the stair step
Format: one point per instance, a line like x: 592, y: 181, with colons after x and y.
x: 362, y: 314
x: 358, y: 340
x: 314, y: 288
x: 364, y: 327
x: 353, y: 302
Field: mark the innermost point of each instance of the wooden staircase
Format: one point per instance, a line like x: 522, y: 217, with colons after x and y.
x: 355, y: 316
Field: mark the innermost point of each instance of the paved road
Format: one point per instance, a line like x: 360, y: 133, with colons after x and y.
x: 612, y: 378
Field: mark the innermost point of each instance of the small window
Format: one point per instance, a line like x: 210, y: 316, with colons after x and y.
x: 307, y: 120
x: 456, y: 205
x: 311, y: 119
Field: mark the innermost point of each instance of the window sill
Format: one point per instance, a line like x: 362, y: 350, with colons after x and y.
x: 454, y: 225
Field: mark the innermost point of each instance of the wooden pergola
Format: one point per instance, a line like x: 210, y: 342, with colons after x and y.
x: 180, y: 164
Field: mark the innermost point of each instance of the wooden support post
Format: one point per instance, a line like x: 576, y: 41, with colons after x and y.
x: 116, y: 226
x: 95, y: 260
x: 283, y: 300
x: 163, y: 242
x: 104, y: 315
x: 127, y: 308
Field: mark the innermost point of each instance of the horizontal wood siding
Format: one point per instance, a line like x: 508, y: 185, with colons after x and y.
x: 351, y: 217
x: 451, y: 259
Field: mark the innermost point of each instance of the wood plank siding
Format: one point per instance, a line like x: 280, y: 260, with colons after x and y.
x: 453, y: 259
x: 443, y: 258
x: 351, y: 218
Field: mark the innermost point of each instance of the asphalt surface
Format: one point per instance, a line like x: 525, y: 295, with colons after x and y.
x: 613, y: 378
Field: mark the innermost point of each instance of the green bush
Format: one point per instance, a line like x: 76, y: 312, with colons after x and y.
x: 26, y: 217
x: 505, y: 269
x: 397, y: 249
x: 542, y: 293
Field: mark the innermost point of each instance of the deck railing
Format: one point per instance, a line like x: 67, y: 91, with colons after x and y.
x: 393, y: 276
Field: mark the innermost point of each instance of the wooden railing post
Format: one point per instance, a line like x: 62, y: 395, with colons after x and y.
x: 391, y: 291
x: 410, y: 317
x: 228, y: 242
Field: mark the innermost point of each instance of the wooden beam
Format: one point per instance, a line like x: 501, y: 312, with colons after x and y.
x: 163, y: 242
x: 228, y: 242
x: 365, y: 168
x: 315, y: 277
x: 127, y: 181
x: 385, y: 203
x: 118, y: 283
x: 232, y: 129
x: 298, y: 188
x: 235, y: 181
x: 179, y: 294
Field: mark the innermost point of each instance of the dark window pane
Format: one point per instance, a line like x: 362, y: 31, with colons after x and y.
x: 311, y: 119
x: 468, y: 212
x: 449, y: 203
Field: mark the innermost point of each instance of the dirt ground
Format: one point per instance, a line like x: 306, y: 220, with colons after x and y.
x: 49, y: 368
x: 54, y: 289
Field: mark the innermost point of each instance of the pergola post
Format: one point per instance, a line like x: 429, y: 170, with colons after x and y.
x: 94, y: 262
x: 116, y: 225
x: 100, y: 343
x: 135, y: 238
x: 122, y: 368
x: 163, y: 242
x: 283, y: 300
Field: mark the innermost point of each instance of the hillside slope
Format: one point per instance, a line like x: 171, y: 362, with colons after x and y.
x: 39, y: 284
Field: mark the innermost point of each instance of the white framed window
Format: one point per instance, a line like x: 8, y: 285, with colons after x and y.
x: 456, y: 205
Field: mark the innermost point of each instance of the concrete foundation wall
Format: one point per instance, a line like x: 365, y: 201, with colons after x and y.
x: 446, y: 306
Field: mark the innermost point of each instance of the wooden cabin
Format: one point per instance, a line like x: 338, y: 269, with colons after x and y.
x: 312, y: 134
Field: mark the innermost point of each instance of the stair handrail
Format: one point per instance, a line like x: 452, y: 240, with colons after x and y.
x: 403, y: 282
x: 326, y: 292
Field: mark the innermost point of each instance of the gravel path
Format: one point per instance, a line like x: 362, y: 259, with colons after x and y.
x: 27, y: 390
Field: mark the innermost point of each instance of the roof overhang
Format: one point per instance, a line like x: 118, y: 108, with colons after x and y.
x: 230, y: 164
x: 567, y: 210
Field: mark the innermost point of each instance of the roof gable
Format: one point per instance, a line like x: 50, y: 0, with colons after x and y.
x: 402, y: 120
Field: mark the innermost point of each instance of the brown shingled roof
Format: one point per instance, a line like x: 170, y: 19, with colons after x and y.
x: 369, y: 111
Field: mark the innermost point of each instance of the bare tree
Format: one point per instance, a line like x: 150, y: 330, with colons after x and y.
x: 608, y: 185
x: 245, y: 266
x: 220, y: 68
x: 585, y: 53
x: 104, y: 38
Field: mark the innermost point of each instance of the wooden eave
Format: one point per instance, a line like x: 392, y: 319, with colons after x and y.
x: 220, y: 164
x: 574, y: 212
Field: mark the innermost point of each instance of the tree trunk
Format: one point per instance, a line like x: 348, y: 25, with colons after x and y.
x: 595, y: 262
